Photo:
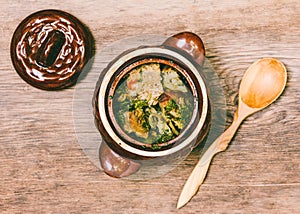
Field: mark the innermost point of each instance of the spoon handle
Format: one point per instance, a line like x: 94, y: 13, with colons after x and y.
x: 198, y: 174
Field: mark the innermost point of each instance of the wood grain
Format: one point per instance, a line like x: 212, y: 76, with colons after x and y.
x: 43, y: 169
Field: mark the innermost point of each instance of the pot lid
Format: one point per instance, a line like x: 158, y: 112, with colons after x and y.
x: 50, y: 48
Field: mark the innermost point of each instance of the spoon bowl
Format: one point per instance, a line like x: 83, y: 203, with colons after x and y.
x: 261, y: 85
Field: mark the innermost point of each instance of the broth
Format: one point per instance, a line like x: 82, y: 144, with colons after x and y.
x: 153, y: 103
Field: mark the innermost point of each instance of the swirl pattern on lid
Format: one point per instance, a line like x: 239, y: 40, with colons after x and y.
x: 50, y: 48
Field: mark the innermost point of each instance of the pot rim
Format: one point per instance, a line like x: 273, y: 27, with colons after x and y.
x: 156, y: 51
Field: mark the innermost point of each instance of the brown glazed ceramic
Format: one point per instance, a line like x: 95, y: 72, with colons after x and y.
x: 50, y: 48
x: 120, y: 155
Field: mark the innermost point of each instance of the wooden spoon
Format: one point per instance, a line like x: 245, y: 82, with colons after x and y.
x: 261, y: 85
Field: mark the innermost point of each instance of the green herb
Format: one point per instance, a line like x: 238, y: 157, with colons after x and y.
x: 171, y: 105
x: 138, y: 104
x: 141, y: 109
x: 155, y: 146
x: 165, y: 137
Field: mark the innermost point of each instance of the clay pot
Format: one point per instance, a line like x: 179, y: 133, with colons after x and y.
x: 120, y: 154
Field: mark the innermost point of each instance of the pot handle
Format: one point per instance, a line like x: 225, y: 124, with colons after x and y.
x: 115, y: 165
x: 190, y: 43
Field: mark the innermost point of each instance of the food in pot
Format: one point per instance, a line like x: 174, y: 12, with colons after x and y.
x: 153, y: 103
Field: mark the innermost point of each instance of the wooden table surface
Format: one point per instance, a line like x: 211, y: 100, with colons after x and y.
x: 44, y: 170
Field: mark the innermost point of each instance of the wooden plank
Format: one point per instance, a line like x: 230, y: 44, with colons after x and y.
x: 43, y: 168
